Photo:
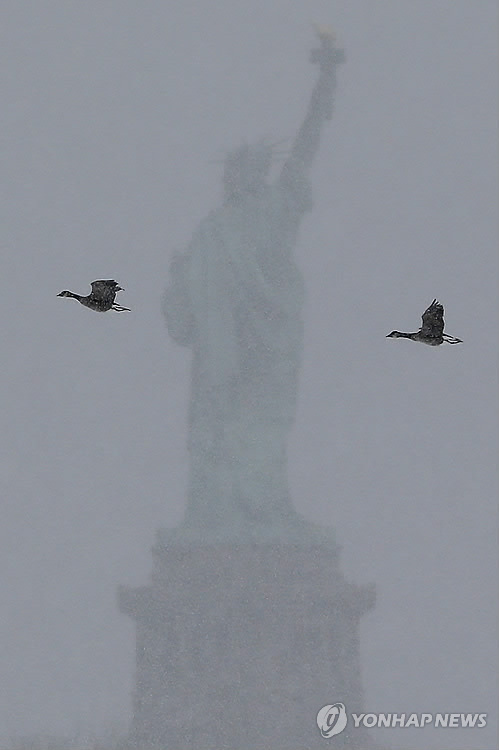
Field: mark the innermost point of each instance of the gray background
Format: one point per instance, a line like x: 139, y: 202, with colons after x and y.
x: 114, y: 115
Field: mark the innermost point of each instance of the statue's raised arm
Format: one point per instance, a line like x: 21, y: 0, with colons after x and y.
x: 327, y: 56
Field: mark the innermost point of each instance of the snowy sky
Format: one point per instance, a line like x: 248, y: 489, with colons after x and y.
x: 114, y: 116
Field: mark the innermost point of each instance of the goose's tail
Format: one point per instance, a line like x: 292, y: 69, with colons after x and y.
x: 452, y: 339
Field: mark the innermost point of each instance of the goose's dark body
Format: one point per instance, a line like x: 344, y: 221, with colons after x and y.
x: 432, y: 330
x: 101, y: 298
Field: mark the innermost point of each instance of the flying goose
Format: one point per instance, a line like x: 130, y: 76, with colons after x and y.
x: 432, y: 330
x: 101, y: 298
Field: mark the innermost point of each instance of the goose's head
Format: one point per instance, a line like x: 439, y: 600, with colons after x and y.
x: 394, y: 335
x: 65, y: 293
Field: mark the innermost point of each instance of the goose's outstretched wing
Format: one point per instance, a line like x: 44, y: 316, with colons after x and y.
x: 105, y: 289
x: 433, y: 320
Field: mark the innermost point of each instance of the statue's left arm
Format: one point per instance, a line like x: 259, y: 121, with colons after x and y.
x: 320, y: 109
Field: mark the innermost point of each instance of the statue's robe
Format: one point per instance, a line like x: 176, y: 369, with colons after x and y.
x: 236, y: 298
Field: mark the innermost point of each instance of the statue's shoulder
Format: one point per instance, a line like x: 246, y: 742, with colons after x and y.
x: 178, y: 264
x: 295, y: 189
x: 202, y: 234
x: 208, y: 224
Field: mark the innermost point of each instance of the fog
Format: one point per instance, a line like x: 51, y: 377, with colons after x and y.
x: 116, y: 119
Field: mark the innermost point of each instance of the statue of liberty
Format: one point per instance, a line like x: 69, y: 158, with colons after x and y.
x: 235, y: 299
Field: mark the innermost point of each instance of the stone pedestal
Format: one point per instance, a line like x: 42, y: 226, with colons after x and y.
x: 240, y: 645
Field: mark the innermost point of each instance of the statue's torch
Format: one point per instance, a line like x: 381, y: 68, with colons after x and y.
x: 327, y: 54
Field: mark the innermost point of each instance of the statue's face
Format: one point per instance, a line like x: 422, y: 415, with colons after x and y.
x: 245, y: 170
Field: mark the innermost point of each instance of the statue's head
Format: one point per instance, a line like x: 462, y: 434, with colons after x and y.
x: 245, y: 170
